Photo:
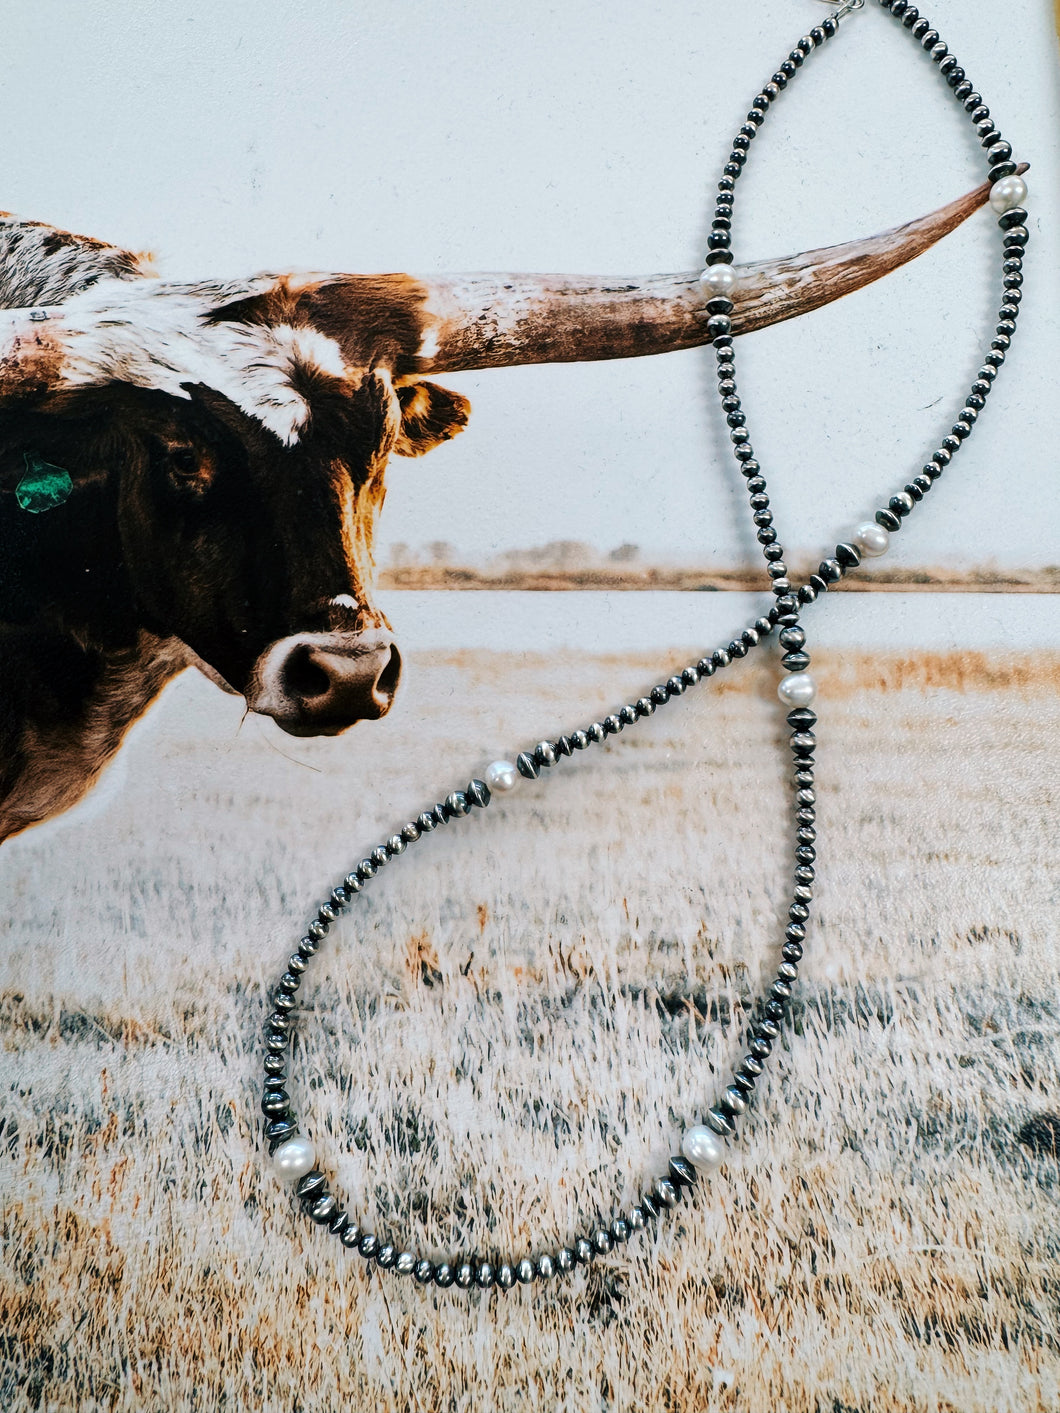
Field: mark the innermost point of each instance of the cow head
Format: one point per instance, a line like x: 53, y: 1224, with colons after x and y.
x: 226, y: 470
x: 224, y: 445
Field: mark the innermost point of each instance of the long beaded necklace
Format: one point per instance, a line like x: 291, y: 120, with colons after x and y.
x: 705, y: 1145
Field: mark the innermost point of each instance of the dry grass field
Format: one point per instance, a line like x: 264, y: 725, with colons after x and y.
x: 509, y: 1035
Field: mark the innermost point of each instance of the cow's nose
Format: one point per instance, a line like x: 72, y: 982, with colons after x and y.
x: 355, y: 685
x: 318, y: 684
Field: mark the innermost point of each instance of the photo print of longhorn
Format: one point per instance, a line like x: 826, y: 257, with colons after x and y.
x: 372, y: 600
x: 173, y: 447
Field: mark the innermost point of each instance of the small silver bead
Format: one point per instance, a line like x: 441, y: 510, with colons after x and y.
x: 733, y: 1100
x: 664, y: 1193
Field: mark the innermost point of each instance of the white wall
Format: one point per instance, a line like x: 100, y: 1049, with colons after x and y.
x: 587, y: 137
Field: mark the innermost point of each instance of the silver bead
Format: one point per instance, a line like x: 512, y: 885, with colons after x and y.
x: 1008, y: 192
x: 718, y: 281
x: 797, y: 690
x: 501, y: 775
x: 733, y: 1099
x: 871, y: 539
x: 294, y: 1159
x: 703, y: 1147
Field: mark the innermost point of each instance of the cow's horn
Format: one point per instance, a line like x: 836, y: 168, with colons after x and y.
x: 497, y: 321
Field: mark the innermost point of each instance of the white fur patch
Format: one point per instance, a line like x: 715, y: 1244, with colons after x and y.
x: 158, y: 336
x: 343, y: 601
x: 429, y: 344
x: 311, y: 349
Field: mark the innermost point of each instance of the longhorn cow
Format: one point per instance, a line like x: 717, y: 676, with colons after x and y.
x: 190, y: 473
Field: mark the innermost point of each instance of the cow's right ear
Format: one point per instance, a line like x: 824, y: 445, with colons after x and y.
x: 429, y: 415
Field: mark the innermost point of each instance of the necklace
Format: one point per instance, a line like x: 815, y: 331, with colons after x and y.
x: 704, y: 1146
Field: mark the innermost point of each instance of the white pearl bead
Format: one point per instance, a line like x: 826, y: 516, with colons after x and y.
x: 702, y: 1147
x: 798, y: 690
x: 1008, y: 192
x: 718, y: 280
x: 501, y: 775
x: 294, y: 1159
x: 871, y: 539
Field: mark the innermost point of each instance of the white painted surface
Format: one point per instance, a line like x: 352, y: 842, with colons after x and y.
x: 587, y: 137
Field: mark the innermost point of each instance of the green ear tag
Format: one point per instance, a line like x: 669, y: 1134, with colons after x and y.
x: 43, y: 487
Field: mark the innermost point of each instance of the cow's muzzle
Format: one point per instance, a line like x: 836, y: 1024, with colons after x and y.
x: 318, y: 684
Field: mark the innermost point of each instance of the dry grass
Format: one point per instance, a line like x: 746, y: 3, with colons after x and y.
x: 508, y: 1037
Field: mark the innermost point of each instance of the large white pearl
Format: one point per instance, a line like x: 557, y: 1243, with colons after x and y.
x: 871, y: 539
x: 702, y: 1147
x: 798, y: 690
x: 718, y: 280
x: 1008, y: 192
x: 294, y: 1159
x: 501, y: 775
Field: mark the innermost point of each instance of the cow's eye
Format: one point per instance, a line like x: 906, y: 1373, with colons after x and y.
x: 183, y: 461
x: 187, y: 467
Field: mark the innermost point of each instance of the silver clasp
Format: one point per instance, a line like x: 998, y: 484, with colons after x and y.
x: 847, y: 8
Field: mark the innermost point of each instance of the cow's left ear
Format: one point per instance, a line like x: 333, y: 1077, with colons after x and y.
x: 429, y: 415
